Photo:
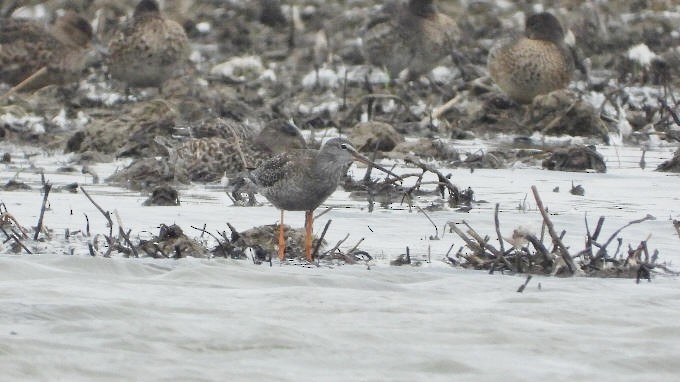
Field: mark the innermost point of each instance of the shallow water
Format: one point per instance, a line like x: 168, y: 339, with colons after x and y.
x: 97, y: 319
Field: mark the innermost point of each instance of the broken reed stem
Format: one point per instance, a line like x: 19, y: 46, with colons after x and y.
x: 523, y: 286
x: 237, y: 143
x: 498, y: 228
x: 356, y: 245
x: 551, y: 230
x: 46, y: 188
x: 21, y: 85
x: 338, y: 244
x: 107, y: 215
x: 87, y: 225
x: 603, y: 249
x: 469, y: 242
x: 436, y: 230
x: 224, y: 250
x: 322, y: 213
x: 318, y: 243
x: 18, y: 241
x: 126, y: 236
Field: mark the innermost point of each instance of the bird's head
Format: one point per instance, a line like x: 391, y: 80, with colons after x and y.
x: 340, y: 150
x: 544, y: 26
x: 146, y: 7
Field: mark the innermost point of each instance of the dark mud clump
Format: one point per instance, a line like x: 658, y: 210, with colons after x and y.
x: 575, y: 158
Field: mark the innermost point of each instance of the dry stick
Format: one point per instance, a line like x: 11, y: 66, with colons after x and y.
x: 107, y: 216
x: 47, y: 187
x: 338, y: 244
x: 22, y: 244
x: 8, y: 237
x: 551, y: 230
x: 498, y: 228
x: 126, y: 236
x: 436, y: 230
x: 356, y: 245
x: 603, y: 249
x: 327, y: 210
x: 440, y: 110
x: 224, y: 250
x: 521, y: 287
x: 237, y: 143
x: 23, y: 232
x: 426, y: 167
x: 469, y: 242
x: 24, y: 83
x: 87, y: 225
x: 15, y: 238
x: 318, y: 243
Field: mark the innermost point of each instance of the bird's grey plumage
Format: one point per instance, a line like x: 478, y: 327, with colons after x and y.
x: 300, y: 180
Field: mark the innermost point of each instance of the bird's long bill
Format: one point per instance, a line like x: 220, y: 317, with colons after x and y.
x: 367, y: 161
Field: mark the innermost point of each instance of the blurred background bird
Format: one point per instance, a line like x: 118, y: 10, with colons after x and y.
x: 149, y: 49
x: 413, y: 36
x: 537, y: 62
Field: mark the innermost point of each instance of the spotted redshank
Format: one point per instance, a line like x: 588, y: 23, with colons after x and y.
x: 300, y: 180
x: 413, y: 36
x: 536, y: 63
x: 33, y: 56
x: 149, y: 49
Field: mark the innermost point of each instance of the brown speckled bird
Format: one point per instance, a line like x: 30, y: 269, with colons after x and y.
x: 536, y: 63
x: 208, y: 159
x: 26, y: 48
x: 300, y: 180
x: 148, y: 49
x: 413, y: 36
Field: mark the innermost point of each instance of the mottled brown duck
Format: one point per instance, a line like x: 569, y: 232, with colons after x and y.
x: 149, y: 49
x: 413, y: 36
x: 536, y: 63
x: 33, y: 56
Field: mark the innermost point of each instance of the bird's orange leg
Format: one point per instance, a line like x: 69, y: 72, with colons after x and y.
x: 282, y: 240
x: 309, y: 220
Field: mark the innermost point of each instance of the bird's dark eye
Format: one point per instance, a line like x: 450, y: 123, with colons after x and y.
x: 343, y: 146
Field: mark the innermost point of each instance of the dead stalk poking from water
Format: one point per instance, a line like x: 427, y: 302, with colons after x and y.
x: 46, y: 188
x: 551, y: 230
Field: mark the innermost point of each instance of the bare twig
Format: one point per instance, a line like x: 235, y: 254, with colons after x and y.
x: 603, y: 249
x: 551, y: 230
x: 107, y: 215
x: 23, y: 84
x: 498, y: 228
x: 46, y: 189
x: 436, y: 230
x: 523, y: 286
x: 318, y: 243
x: 125, y: 235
